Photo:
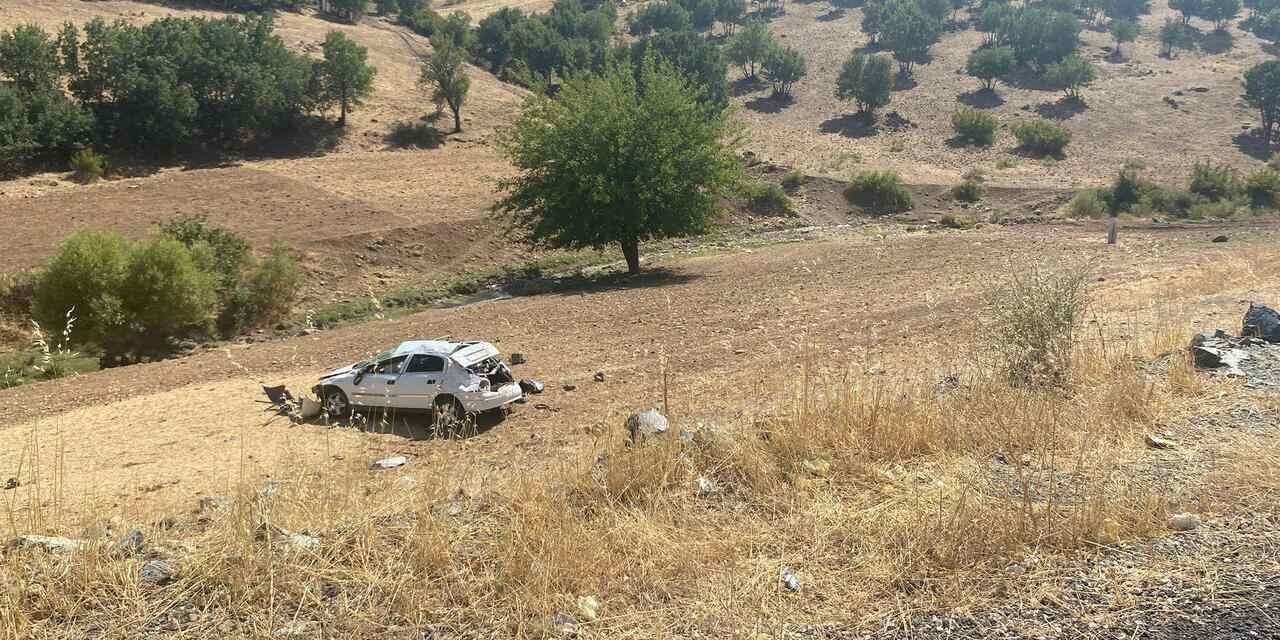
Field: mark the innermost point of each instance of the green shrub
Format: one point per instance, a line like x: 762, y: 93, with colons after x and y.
x: 878, y: 192
x: 975, y: 126
x: 1214, y: 182
x: 990, y: 64
x: 418, y: 135
x: 83, y: 278
x: 970, y: 188
x: 216, y: 250
x: 768, y: 198
x: 88, y: 165
x: 163, y: 294
x: 1262, y: 187
x: 1219, y: 209
x: 953, y: 221
x: 1087, y: 204
x: 1126, y: 191
x: 266, y: 295
x: 793, y: 180
x: 1041, y: 137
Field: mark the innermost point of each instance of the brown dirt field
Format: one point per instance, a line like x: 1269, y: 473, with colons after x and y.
x: 165, y: 432
x: 1126, y: 117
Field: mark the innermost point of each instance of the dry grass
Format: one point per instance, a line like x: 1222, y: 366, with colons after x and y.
x: 886, y: 499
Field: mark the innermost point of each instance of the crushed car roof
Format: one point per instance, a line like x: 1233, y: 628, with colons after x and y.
x: 468, y: 353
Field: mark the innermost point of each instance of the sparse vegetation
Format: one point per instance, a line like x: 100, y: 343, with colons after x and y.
x: 1263, y: 186
x: 1032, y: 324
x: 443, y: 72
x: 970, y: 188
x: 793, y: 180
x: 867, y: 80
x: 768, y: 198
x: 87, y: 165
x: 1086, y: 203
x: 1214, y: 182
x: 415, y: 134
x: 975, y: 126
x: 879, y: 192
x: 1041, y: 137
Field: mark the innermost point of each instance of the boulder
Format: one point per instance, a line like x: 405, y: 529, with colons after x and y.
x: 646, y: 424
x: 158, y: 572
x: 1261, y: 321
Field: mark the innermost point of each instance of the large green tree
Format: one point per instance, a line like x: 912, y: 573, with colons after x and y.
x: 749, y: 48
x: 445, y: 73
x: 784, y: 67
x: 619, y: 159
x: 1262, y: 90
x: 908, y: 32
x: 345, y: 73
x: 867, y: 80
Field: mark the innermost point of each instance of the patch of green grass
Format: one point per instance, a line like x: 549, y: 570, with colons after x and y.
x: 34, y: 364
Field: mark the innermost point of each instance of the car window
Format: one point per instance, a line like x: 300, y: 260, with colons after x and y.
x: 390, y: 366
x: 425, y: 364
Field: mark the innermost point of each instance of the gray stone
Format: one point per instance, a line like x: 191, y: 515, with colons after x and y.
x: 564, y: 624
x: 128, y: 546
x: 48, y: 543
x: 303, y: 542
x: 1184, y: 522
x: 158, y: 572
x: 1156, y: 442
x: 1220, y: 239
x: 646, y: 424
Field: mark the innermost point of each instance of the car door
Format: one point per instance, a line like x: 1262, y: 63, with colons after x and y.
x: 377, y: 387
x: 419, y: 385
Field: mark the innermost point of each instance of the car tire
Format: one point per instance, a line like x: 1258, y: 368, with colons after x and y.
x: 335, y: 402
x: 448, y: 415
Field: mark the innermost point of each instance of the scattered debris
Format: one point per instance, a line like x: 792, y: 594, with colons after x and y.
x: 587, y: 608
x: 131, y: 545
x: 1261, y: 321
x: 518, y: 358
x: 310, y: 409
x: 599, y: 377
x: 564, y: 624
x: 296, y: 629
x: 390, y: 463
x: 157, y: 573
x: 1156, y: 442
x: 1184, y: 522
x: 1219, y: 239
x: 283, y: 403
x: 303, y: 542
x: 646, y: 424
x: 531, y: 386
x: 817, y: 467
x: 11, y: 483
x: 48, y: 543
x: 1219, y: 350
x: 209, y: 505
x: 790, y: 580
x: 569, y: 387
x: 704, y: 485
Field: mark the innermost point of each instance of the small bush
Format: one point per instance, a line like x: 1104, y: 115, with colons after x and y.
x: 879, y: 192
x: 1041, y: 137
x: 265, y: 296
x: 415, y: 135
x: 1219, y: 209
x: 1262, y: 187
x: 793, y: 180
x: 1032, y: 323
x: 975, y: 126
x: 768, y: 198
x: 1214, y: 182
x: 216, y: 250
x: 953, y: 221
x: 969, y: 189
x: 88, y: 165
x: 1087, y: 204
x: 1126, y: 191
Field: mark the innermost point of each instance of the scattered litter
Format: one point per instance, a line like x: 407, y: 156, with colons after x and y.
x: 587, y: 608
x: 1218, y: 350
x: 518, y: 358
x: 1220, y: 239
x: 570, y: 387
x: 48, y: 543
x: 390, y: 463
x: 304, y: 542
x: 158, y: 572
x: 1156, y: 442
x: 790, y: 579
x: 1184, y: 522
x: 646, y: 424
x: 599, y: 377
x: 297, y: 629
x: 564, y: 624
x: 11, y: 483
x: 704, y: 485
x: 534, y: 387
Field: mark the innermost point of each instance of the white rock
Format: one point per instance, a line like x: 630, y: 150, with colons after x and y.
x: 48, y: 543
x: 588, y: 607
x: 1184, y: 522
x: 646, y: 424
x: 391, y: 463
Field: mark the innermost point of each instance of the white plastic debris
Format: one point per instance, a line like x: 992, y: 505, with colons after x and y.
x: 391, y: 463
x: 790, y: 579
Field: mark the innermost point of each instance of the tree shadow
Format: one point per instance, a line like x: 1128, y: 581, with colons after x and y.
x: 1251, y: 144
x: 1061, y: 109
x: 599, y: 282
x: 1214, y: 42
x: 772, y: 103
x: 981, y: 99
x: 743, y: 86
x: 855, y: 125
x: 904, y: 82
x: 833, y: 14
x: 1028, y: 79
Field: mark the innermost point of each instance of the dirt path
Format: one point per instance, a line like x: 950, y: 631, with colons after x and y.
x: 188, y: 427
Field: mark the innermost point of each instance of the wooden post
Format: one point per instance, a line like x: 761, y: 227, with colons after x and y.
x: 1111, y: 230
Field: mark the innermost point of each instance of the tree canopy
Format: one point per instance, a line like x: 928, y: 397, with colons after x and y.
x: 444, y: 72
x: 345, y: 74
x: 867, y: 80
x: 619, y: 159
x: 1262, y: 90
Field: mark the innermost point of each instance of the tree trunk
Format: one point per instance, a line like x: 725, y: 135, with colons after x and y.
x: 631, y: 251
x: 342, y: 118
x: 1267, y: 126
x: 457, y: 120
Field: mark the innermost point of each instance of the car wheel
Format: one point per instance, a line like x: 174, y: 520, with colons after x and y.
x: 336, y: 403
x: 449, y: 415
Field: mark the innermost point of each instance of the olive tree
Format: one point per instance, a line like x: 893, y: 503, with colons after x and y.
x: 908, y: 32
x: 443, y: 71
x: 1187, y: 8
x: 618, y: 158
x: 1173, y: 34
x: 1071, y: 75
x: 345, y: 73
x: 749, y: 48
x: 990, y: 64
x: 784, y: 67
x: 867, y: 80
x: 1220, y: 12
x: 1124, y: 30
x: 1262, y: 91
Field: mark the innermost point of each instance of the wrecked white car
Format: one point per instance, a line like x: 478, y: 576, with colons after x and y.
x: 451, y: 379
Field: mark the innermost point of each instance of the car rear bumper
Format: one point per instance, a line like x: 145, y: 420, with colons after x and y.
x: 478, y: 401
